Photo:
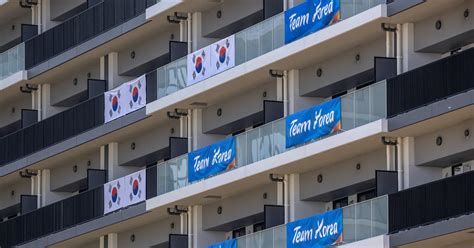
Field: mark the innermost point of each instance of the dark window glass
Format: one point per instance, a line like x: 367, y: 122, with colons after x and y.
x: 258, y: 227
x: 238, y: 232
x: 340, y: 203
x: 367, y: 195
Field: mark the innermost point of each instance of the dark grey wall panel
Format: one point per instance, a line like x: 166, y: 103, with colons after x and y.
x: 386, y: 182
x: 274, y: 215
x: 178, y: 241
x: 96, y: 178
x: 28, y: 117
x: 178, y: 146
x: 28, y: 31
x: 28, y: 203
x: 384, y: 68
x: 96, y: 87
x: 272, y: 110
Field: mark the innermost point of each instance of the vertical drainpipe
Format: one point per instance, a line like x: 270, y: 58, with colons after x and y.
x: 190, y: 32
x: 190, y: 227
x: 400, y: 163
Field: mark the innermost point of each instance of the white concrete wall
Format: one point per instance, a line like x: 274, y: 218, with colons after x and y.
x: 7, y: 116
x: 239, y: 206
x: 237, y: 107
x: 21, y: 186
x: 148, y: 141
x: 340, y: 66
x: 59, y: 7
x: 342, y: 174
x: 151, y: 234
x: 8, y: 34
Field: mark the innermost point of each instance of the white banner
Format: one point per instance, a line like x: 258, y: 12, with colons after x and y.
x: 199, y: 65
x: 125, y: 99
x: 135, y: 94
x: 114, y: 195
x: 222, y: 55
x: 135, y: 188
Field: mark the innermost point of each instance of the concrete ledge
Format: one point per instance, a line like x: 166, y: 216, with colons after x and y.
x: 87, y: 227
x: 75, y: 141
x: 433, y: 230
x: 13, y: 79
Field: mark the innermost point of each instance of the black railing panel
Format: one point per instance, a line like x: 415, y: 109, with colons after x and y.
x: 430, y: 83
x: 432, y: 202
x: 82, y: 27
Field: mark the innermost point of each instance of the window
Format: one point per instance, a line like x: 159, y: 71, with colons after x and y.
x: 258, y: 227
x: 367, y: 195
x: 340, y: 203
x: 238, y: 233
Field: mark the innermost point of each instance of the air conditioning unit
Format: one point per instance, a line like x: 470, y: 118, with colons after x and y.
x: 462, y: 168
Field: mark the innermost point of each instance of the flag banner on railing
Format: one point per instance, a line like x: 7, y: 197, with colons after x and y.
x: 113, y: 105
x: 310, y: 17
x: 321, y: 230
x: 211, y: 160
x: 222, y: 55
x: 231, y: 243
x: 114, y: 194
x: 135, y: 94
x: 125, y: 99
x: 313, y: 123
x: 135, y: 188
x: 211, y: 60
x: 199, y: 65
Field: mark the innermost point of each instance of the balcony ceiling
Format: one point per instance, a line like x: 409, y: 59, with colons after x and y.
x: 10, y: 10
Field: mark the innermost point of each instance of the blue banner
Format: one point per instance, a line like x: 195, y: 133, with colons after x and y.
x: 211, y: 160
x: 310, y: 17
x: 313, y: 123
x: 231, y: 243
x: 321, y: 230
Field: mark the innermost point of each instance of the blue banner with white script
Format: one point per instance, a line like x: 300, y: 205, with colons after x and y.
x: 231, y: 243
x: 310, y: 17
x: 211, y: 160
x: 321, y: 230
x: 313, y: 123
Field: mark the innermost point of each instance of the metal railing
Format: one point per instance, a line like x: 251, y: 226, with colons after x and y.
x: 250, y: 43
x: 360, y: 221
x: 12, y: 61
x: 358, y: 108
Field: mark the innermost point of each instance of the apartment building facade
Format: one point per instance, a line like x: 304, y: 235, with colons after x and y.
x: 236, y: 123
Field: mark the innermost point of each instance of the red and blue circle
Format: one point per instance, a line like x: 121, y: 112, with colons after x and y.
x: 222, y: 54
x: 114, y: 194
x: 135, y: 94
x: 115, y: 103
x: 135, y: 186
x: 198, y: 64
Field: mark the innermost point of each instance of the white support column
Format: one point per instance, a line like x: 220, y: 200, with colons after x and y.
x: 112, y: 240
x: 102, y: 68
x: 399, y: 49
x: 101, y: 242
x: 113, y: 77
x: 45, y: 100
x: 189, y: 36
x: 286, y: 197
x: 285, y: 94
x: 45, y: 186
x: 408, y: 161
x: 38, y: 189
x: 103, y: 166
x: 195, y: 128
x: 189, y: 119
x: 190, y: 227
x: 112, y: 166
x: 400, y: 165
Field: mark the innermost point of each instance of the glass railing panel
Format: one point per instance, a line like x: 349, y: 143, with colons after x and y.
x: 279, y: 138
x: 161, y: 80
x: 270, y: 238
x: 379, y: 216
x: 362, y: 107
x: 266, y: 141
x: 378, y: 106
x: 253, y: 141
x: 348, y: 112
x: 348, y: 222
x: 363, y: 222
x: 12, y: 61
x: 278, y: 31
x: 241, y: 144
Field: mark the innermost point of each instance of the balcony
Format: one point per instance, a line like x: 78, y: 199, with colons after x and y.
x: 357, y: 108
x: 432, y: 202
x: 82, y: 27
x: 360, y: 221
x: 250, y: 43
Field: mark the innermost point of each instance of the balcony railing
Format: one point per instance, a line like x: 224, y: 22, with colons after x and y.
x: 250, y: 43
x: 12, y: 61
x: 358, y: 108
x: 82, y: 27
x: 59, y: 127
x: 360, y: 221
x: 430, y: 83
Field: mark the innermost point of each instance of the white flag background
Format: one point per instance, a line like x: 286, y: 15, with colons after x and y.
x: 135, y: 188
x: 135, y: 94
x: 113, y: 108
x: 222, y: 55
x: 125, y: 99
x: 199, y: 65
x: 114, y: 195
